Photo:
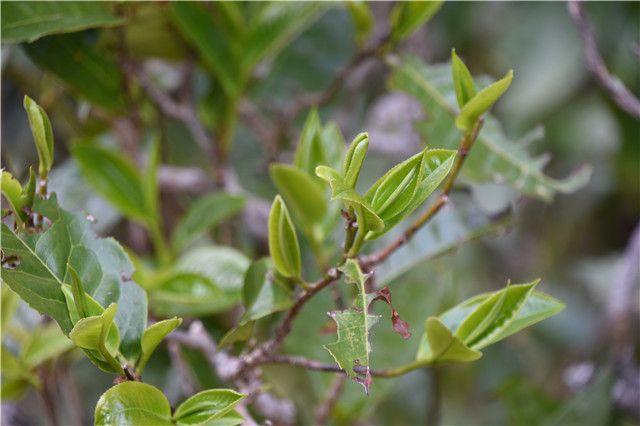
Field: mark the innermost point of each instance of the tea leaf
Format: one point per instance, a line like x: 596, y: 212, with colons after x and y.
x: 283, y: 242
x: 206, y: 406
x: 462, y: 80
x: 407, y: 16
x: 42, y: 134
x: 133, y: 403
x: 480, y: 103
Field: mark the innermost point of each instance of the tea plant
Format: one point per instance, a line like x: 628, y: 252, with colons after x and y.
x: 118, y: 306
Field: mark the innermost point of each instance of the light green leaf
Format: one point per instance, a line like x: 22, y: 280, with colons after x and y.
x: 462, y: 80
x: 354, y: 159
x: 18, y: 197
x: 480, y: 103
x: 28, y: 21
x: 301, y: 192
x: 206, y: 213
x: 309, y: 151
x: 82, y: 67
x: 116, y: 179
x: 494, y: 158
x: 206, y: 406
x: 333, y: 143
x: 351, y: 350
x: 435, y: 165
x: 407, y: 16
x: 264, y: 292
x: 78, y: 293
x: 42, y: 134
x: 152, y: 337
x: 232, y: 418
x: 283, y: 241
x: 362, y: 18
x: 45, y: 342
x: 439, y: 345
x: 133, y: 403
x: 100, y: 337
x: 241, y: 333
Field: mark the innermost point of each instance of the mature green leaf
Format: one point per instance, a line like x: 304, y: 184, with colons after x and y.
x: 205, y: 280
x: 206, y: 213
x: 283, y: 242
x: 116, y: 179
x: 28, y: 21
x: 462, y: 80
x: 354, y: 159
x: 439, y: 345
x: 83, y: 68
x: 363, y: 19
x: 407, y: 16
x: 274, y: 26
x: 264, y: 292
x: 133, y: 403
x: 131, y: 319
x: 197, y: 25
x: 206, y: 406
x: 405, y: 187
x: 152, y: 337
x: 494, y: 157
x: 301, y: 192
x: 351, y: 350
x: 42, y: 134
x: 480, y: 103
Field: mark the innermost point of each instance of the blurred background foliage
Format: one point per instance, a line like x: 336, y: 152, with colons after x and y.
x: 573, y: 369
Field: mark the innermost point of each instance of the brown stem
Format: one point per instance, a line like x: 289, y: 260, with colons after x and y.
x: 616, y: 89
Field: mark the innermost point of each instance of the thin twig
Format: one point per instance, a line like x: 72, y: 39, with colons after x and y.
x: 616, y: 89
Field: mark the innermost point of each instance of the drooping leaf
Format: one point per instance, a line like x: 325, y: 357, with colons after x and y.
x: 480, y: 103
x: 351, y: 350
x: 205, y: 214
x: 152, y: 337
x: 28, y: 21
x: 399, y: 326
x: 133, y: 403
x: 301, y: 192
x: 494, y: 158
x: 407, y: 16
x: 264, y: 292
x: 116, y: 179
x: 283, y: 241
x: 87, y: 71
x: 42, y: 134
x: 362, y: 18
x: 206, y: 406
x: 462, y: 80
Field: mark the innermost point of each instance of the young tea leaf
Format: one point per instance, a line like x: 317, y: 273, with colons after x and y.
x: 354, y: 159
x: 439, y: 345
x: 283, y: 242
x: 480, y: 103
x: 42, y: 135
x: 133, y: 403
x: 152, y: 337
x: 462, y: 80
x: 206, y: 406
x: 407, y: 16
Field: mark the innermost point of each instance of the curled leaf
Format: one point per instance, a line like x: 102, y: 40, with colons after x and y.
x: 462, y: 80
x: 354, y: 159
x: 283, y: 242
x: 42, y: 134
x: 399, y: 325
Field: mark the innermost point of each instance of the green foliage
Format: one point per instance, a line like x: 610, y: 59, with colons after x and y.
x: 32, y: 20
x: 495, y: 158
x: 362, y: 18
x: 351, y: 350
x: 462, y: 80
x: 18, y: 197
x: 458, y: 334
x: 481, y: 102
x: 139, y: 403
x: 42, y: 134
x: 152, y: 337
x: 283, y: 241
x: 406, y: 17
x: 264, y: 292
x: 99, y: 335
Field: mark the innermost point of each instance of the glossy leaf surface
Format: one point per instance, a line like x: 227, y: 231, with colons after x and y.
x: 152, y: 337
x: 206, y: 406
x: 133, y: 403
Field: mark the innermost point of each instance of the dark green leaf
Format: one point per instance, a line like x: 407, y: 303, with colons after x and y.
x: 28, y: 21
x: 462, y: 80
x: 133, y: 403
x: 205, y: 214
x: 283, y: 242
x: 87, y: 71
x: 116, y: 179
x: 301, y: 192
x: 407, y: 16
x: 206, y: 406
